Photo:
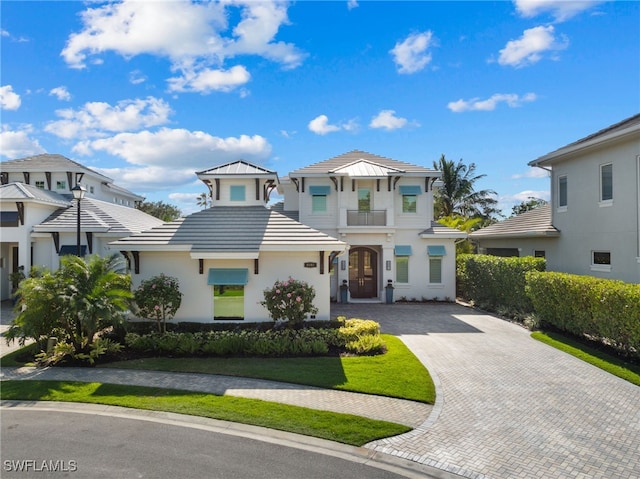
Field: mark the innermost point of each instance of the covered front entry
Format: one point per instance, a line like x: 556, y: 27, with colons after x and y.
x: 363, y: 272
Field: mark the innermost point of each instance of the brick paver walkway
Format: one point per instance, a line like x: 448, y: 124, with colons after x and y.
x: 509, y: 406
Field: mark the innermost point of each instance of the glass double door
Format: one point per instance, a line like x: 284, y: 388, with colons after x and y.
x: 363, y: 272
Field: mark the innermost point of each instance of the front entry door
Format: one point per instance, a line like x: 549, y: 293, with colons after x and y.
x: 363, y: 273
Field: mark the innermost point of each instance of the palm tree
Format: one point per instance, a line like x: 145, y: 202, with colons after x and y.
x: 457, y: 194
x: 204, y: 200
x: 73, y: 303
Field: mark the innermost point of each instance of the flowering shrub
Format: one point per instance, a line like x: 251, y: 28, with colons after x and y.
x: 159, y: 298
x: 291, y: 300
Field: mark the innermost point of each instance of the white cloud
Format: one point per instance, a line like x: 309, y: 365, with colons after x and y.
x: 529, y: 48
x: 561, y: 9
x: 387, y: 120
x: 136, y: 77
x: 195, y: 38
x: 207, y: 80
x: 4, y: 33
x: 9, y: 100
x: 531, y: 173
x: 351, y: 4
x: 475, y: 104
x: 17, y: 144
x: 411, y: 55
x: 98, y: 118
x: 167, y: 146
x: 61, y: 93
x: 320, y: 125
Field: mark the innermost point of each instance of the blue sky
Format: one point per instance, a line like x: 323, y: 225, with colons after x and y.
x: 150, y: 92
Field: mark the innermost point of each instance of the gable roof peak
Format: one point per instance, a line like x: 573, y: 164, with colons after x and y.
x: 238, y: 167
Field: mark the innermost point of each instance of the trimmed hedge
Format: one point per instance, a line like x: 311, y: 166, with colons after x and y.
x: 495, y: 283
x: 354, y: 336
x: 601, y: 309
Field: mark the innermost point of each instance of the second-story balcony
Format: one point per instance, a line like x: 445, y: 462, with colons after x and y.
x: 367, y: 218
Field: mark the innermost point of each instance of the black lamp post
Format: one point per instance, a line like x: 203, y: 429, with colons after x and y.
x: 78, y: 193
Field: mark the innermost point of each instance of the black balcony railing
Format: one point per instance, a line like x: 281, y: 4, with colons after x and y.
x: 366, y: 218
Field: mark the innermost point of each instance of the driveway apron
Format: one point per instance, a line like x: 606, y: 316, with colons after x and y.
x: 508, y: 406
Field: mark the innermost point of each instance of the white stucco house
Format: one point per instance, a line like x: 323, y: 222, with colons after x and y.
x: 225, y: 256
x: 383, y: 210
x: 39, y: 216
x: 592, y: 224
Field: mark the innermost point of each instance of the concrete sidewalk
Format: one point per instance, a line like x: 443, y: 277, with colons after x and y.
x: 408, y: 413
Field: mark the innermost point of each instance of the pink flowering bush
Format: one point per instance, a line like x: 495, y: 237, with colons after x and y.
x: 290, y: 300
x: 158, y: 298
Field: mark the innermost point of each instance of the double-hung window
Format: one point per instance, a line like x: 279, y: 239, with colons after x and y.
x: 319, y: 198
x: 402, y: 254
x: 606, y: 184
x: 410, y: 198
x: 435, y: 253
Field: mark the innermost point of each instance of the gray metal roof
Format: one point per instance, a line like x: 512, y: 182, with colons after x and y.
x: 353, y: 157
x: 626, y: 126
x: 47, y: 162
x: 239, y: 167
x: 23, y: 192
x: 536, y: 222
x: 99, y: 216
x: 437, y: 230
x: 279, y: 207
x: 232, y: 229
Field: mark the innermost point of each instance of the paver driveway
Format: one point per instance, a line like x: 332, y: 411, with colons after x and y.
x: 509, y: 406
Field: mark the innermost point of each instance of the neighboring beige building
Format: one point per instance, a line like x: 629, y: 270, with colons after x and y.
x: 592, y: 225
x: 39, y: 216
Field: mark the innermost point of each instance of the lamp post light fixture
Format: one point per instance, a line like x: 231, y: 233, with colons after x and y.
x: 78, y: 194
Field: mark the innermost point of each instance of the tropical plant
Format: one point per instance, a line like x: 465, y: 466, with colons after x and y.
x: 531, y: 203
x: 457, y: 193
x: 160, y: 209
x: 158, y: 298
x: 290, y: 299
x: 205, y: 200
x: 74, y: 303
x: 463, y: 224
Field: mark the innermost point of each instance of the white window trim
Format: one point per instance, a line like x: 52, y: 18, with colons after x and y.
x: 601, y: 202
x: 602, y: 268
x: 562, y: 208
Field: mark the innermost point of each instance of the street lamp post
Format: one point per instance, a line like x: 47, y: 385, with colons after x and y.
x: 78, y: 193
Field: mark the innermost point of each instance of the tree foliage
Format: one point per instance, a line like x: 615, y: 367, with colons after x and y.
x: 531, y: 203
x: 159, y: 298
x: 205, y: 200
x: 463, y: 224
x: 160, y: 209
x: 74, y: 303
x: 457, y: 195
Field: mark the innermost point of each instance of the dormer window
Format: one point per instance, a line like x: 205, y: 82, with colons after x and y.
x: 237, y: 193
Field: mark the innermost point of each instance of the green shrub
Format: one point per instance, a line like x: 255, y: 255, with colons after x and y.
x: 495, y: 283
x: 601, y: 309
x: 367, y: 344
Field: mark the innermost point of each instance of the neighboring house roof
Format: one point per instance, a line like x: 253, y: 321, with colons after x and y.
x: 620, y: 130
x: 533, y: 223
x: 23, y: 192
x: 240, y: 167
x: 98, y: 217
x: 279, y: 207
x: 367, y: 163
x: 437, y: 230
x: 232, y: 231
x: 47, y: 162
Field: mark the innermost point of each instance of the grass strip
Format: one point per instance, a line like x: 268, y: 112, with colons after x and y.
x: 613, y: 365
x: 343, y: 428
x: 12, y: 360
x: 398, y: 373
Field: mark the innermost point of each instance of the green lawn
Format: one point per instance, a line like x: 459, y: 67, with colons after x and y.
x: 398, y: 373
x: 613, y: 365
x: 344, y: 428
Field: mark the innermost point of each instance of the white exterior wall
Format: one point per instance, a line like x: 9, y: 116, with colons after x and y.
x: 197, y: 300
x: 249, y: 191
x: 588, y: 225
